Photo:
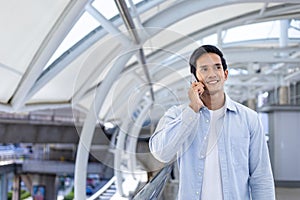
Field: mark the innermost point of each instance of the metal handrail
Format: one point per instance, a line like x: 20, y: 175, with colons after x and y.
x: 153, y: 189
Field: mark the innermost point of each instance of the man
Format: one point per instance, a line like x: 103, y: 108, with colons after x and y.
x: 220, y: 145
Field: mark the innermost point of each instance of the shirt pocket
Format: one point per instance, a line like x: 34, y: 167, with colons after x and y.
x: 240, y: 152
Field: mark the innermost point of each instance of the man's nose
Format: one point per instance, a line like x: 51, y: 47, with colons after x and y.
x: 212, y: 71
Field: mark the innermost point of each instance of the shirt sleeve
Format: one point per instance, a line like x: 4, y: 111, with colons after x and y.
x: 173, y: 130
x: 261, y: 177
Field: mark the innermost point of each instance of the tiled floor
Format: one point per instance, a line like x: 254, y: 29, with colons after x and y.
x: 287, y: 193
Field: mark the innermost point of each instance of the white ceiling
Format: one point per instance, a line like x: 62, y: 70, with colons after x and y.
x: 166, y: 31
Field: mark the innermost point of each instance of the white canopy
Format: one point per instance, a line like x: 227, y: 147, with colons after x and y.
x: 56, y: 53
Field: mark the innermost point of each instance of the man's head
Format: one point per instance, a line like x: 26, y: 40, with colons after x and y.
x: 203, y: 50
x: 209, y: 67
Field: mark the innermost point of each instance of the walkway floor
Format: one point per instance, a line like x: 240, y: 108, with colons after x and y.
x: 281, y: 194
x: 287, y: 193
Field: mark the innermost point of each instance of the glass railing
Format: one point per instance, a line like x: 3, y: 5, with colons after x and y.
x: 154, y: 189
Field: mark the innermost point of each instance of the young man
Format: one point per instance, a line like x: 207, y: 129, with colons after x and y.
x: 220, y: 145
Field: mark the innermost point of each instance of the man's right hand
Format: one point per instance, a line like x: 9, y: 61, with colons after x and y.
x: 194, y: 93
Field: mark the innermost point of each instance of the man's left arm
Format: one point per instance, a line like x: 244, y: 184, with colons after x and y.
x: 261, y: 178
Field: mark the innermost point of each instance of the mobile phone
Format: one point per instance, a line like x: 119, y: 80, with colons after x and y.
x: 194, y: 78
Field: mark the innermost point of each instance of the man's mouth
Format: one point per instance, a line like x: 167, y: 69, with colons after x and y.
x: 212, y: 82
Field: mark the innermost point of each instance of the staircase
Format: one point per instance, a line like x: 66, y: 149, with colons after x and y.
x: 108, y: 193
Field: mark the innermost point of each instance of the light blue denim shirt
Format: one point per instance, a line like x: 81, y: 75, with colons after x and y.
x: 243, y: 153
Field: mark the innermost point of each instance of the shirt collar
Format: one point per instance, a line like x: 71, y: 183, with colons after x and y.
x: 230, y: 105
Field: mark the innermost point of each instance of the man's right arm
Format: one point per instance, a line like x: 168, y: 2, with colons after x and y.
x: 174, y: 129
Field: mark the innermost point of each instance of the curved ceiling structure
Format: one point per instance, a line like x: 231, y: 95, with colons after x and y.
x: 130, y: 63
x: 165, y: 33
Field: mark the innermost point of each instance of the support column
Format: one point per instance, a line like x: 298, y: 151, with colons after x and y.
x: 44, y: 185
x: 16, y: 187
x: 283, y: 95
x: 251, y: 103
x: 283, y: 42
x: 284, y: 34
x: 3, y: 186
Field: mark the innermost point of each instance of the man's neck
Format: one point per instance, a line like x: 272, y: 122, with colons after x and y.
x: 213, y: 101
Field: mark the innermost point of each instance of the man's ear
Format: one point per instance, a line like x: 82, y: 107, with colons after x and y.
x: 226, y: 74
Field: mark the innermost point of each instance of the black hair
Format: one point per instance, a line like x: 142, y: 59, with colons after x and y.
x: 203, y: 50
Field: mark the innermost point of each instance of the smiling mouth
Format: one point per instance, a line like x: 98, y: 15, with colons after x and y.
x: 212, y: 82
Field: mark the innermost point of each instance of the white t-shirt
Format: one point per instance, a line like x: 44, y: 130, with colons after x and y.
x: 212, y: 183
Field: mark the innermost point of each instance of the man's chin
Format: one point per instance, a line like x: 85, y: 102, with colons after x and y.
x: 212, y: 92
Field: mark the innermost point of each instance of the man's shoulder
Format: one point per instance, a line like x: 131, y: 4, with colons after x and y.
x: 176, y: 109
x: 240, y: 108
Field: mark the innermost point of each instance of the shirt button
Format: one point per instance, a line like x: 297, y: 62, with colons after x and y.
x: 199, y: 173
x: 205, y: 138
x: 197, y: 193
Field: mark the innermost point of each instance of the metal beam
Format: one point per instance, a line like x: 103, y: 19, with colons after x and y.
x: 57, y: 34
x: 108, y: 25
x: 128, y: 21
x: 78, y: 49
x: 125, y: 128
x: 90, y: 122
x: 134, y: 135
x: 121, y: 103
x: 86, y: 85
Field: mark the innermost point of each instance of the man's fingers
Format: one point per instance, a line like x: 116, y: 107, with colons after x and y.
x: 198, y: 87
x: 197, y: 84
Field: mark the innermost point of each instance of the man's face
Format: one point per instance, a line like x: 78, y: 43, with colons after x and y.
x: 210, y: 72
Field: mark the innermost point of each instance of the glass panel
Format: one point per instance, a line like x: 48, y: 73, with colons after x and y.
x: 294, y: 30
x: 253, y: 31
x: 107, y: 8
x: 211, y: 39
x: 83, y: 26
